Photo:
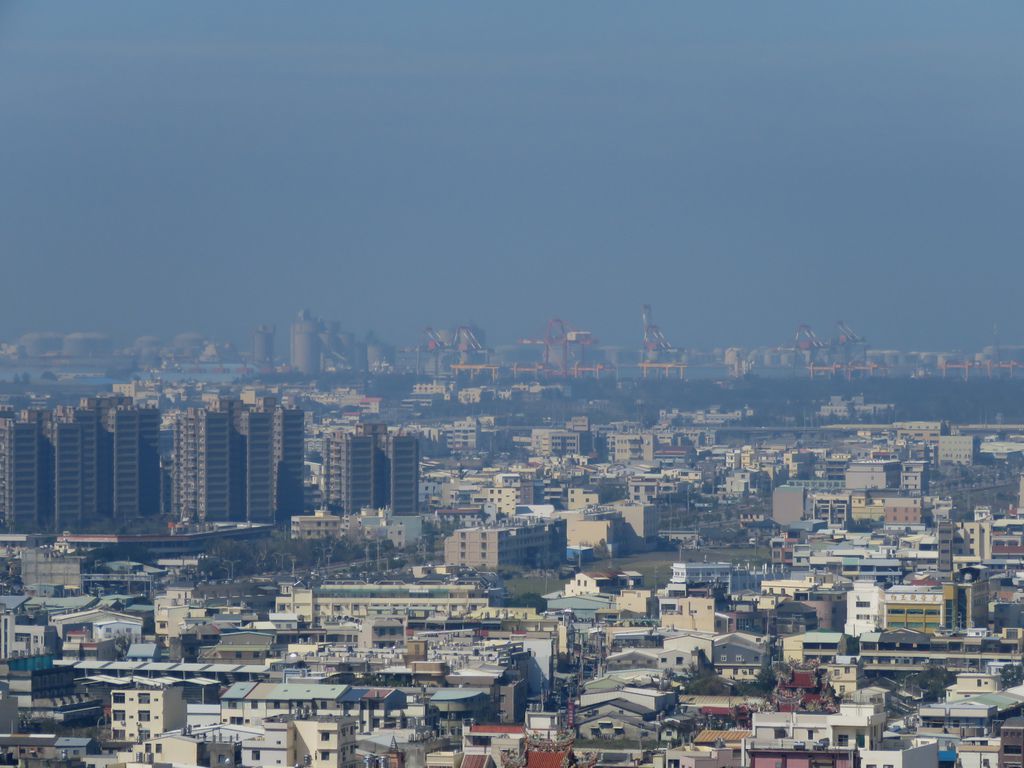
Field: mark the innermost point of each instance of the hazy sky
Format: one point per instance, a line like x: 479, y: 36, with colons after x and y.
x: 741, y: 166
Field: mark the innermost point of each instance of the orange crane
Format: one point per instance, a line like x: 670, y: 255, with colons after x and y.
x: 823, y: 370
x: 1006, y: 365
x: 961, y: 365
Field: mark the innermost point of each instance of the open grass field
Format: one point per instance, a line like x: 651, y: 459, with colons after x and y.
x: 656, y: 567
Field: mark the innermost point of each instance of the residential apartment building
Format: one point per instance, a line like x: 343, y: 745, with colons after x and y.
x: 136, y: 714
x: 331, y: 602
x: 533, y: 544
x: 70, y: 466
x: 372, y: 468
x: 320, y: 741
x: 236, y: 461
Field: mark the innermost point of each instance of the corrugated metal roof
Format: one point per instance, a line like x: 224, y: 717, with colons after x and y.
x: 710, y: 736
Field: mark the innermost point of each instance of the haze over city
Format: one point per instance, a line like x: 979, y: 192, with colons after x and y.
x: 744, y: 168
x: 511, y: 385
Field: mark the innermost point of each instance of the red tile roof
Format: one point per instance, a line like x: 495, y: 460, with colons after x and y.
x: 496, y: 728
x: 535, y: 759
x: 476, y: 761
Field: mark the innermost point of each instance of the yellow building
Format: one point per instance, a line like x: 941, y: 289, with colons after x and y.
x: 914, y: 607
x: 637, y: 601
x: 845, y: 675
x: 320, y: 525
x: 818, y: 646
x: 692, y: 613
x: 136, y: 714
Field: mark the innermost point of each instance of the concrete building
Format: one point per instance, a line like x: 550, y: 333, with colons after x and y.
x: 136, y: 714
x: 25, y: 488
x: 236, y: 461
x: 328, y: 602
x: 78, y: 465
x: 320, y: 525
x: 532, y: 544
x: 864, y: 608
x: 554, y: 442
x: 789, y: 503
x: 316, y: 741
x: 958, y: 449
x: 872, y: 475
x: 1011, y: 746
x: 372, y: 468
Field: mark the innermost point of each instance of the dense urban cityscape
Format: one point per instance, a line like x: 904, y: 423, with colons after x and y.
x: 449, y: 555
x: 511, y: 385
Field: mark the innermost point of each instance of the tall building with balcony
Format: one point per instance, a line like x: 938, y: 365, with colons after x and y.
x: 238, y: 462
x: 372, y: 468
x: 74, y: 466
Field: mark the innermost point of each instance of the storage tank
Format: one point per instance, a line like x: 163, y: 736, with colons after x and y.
x: 263, y: 346
x: 306, y: 344
x: 42, y: 343
x: 87, y: 344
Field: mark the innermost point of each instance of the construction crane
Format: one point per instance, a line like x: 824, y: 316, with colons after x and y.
x: 579, y: 342
x: 468, y: 345
x: 807, y: 342
x: 849, y: 342
x: 655, y: 342
x: 557, y: 338
x: 435, y: 345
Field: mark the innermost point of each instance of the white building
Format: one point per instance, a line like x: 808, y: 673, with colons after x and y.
x: 864, y: 606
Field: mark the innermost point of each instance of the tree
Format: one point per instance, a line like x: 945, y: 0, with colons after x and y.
x: 933, y: 681
x: 1012, y: 675
x: 707, y: 684
x: 529, y: 600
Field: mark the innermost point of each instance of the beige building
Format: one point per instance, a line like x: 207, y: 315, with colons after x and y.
x: 581, y: 498
x: 958, y: 449
x: 170, y: 610
x: 317, y: 742
x: 320, y: 525
x: 554, y: 442
x: 136, y: 714
x: 249, y: 704
x: 691, y: 613
x: 637, y: 601
x: 977, y: 536
x: 333, y: 602
x: 630, y: 447
x: 539, y: 544
x: 845, y: 675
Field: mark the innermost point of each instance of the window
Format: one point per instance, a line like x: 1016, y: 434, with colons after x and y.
x: 143, y: 715
x: 159, y: 748
x: 843, y: 740
x: 325, y: 755
x: 117, y: 698
x: 143, y: 698
x: 255, y: 754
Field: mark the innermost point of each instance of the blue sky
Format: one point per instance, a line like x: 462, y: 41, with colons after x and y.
x: 743, y: 167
